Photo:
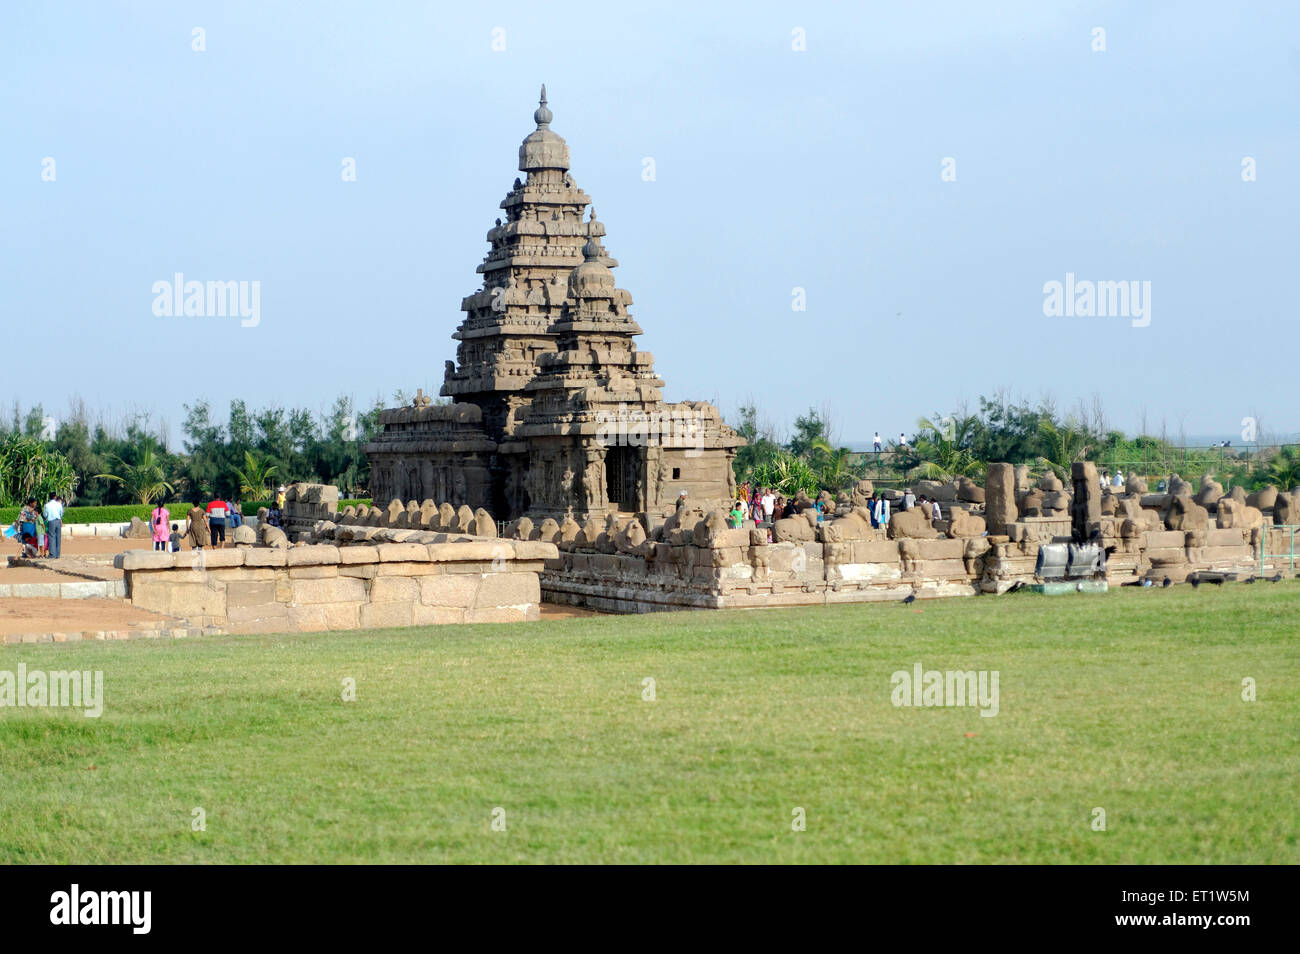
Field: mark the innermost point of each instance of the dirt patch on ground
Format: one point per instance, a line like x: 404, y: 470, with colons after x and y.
x: 79, y: 546
x: 89, y: 556
x: 85, y: 546
x: 27, y: 574
x: 72, y: 616
x: 559, y: 611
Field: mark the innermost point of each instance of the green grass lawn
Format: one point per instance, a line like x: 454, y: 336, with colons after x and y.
x: 1129, y: 701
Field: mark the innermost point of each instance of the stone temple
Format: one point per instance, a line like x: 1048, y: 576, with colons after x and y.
x: 554, y: 411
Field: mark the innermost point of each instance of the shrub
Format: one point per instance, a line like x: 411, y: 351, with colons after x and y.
x: 122, y: 513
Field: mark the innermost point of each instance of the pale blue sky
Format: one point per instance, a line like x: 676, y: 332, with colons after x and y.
x: 775, y: 169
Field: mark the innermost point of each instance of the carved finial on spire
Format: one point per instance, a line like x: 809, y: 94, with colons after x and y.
x: 593, y: 214
x: 543, y: 115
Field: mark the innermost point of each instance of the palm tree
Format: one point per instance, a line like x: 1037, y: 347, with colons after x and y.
x: 1061, y: 446
x: 942, y: 449
x: 1284, y: 469
x: 144, y: 481
x: 255, y: 476
x: 833, y: 465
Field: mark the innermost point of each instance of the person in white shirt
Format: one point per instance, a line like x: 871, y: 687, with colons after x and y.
x: 938, y: 512
x: 902, y: 441
x: 882, y: 512
x: 744, y: 509
x: 1118, y: 481
x: 53, y: 513
x: 909, y: 499
x: 876, y: 443
x: 769, y: 504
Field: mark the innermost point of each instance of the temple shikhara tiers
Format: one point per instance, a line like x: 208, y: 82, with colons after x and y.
x: 554, y: 410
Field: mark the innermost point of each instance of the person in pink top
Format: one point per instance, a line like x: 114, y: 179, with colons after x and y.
x: 159, y: 522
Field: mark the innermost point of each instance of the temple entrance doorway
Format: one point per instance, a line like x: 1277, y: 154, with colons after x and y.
x: 622, y: 465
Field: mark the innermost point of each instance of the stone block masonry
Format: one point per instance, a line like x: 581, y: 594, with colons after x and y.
x: 694, y: 561
x: 319, y: 587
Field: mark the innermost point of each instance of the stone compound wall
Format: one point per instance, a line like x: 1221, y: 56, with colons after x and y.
x: 325, y: 587
x: 1143, y: 555
x: 423, y: 563
x: 618, y: 567
x: 780, y: 574
x: 695, y: 561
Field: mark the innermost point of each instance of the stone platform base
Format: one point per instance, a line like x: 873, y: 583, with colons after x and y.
x: 568, y: 589
x: 135, y: 632
x: 68, y: 590
x: 323, y: 587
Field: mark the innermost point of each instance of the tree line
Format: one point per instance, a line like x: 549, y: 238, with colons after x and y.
x: 248, y: 453
x: 244, y: 456
x: 963, y: 443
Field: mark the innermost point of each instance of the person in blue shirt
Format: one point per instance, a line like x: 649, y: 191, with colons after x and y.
x: 54, y: 526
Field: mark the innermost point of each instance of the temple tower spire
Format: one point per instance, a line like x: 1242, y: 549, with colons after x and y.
x: 509, y: 322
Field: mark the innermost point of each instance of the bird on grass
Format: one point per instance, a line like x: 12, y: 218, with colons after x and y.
x: 1249, y: 580
x: 1018, y: 585
x: 909, y: 599
x: 1195, y: 581
x: 1167, y: 582
x: 1275, y: 579
x: 1218, y: 582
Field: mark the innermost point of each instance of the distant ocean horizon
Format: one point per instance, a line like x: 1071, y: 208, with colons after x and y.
x: 1191, y: 440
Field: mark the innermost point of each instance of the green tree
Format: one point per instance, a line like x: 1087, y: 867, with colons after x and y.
x: 786, y: 473
x: 760, y: 445
x: 1060, y: 446
x: 205, y: 445
x: 34, y: 423
x: 1284, y: 469
x: 74, y: 441
x: 808, y: 428
x: 943, y: 448
x: 255, y: 476
x: 28, y: 468
x: 144, y: 480
x: 337, y: 453
x: 1006, y: 431
x: 240, y: 427
x: 833, y: 466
